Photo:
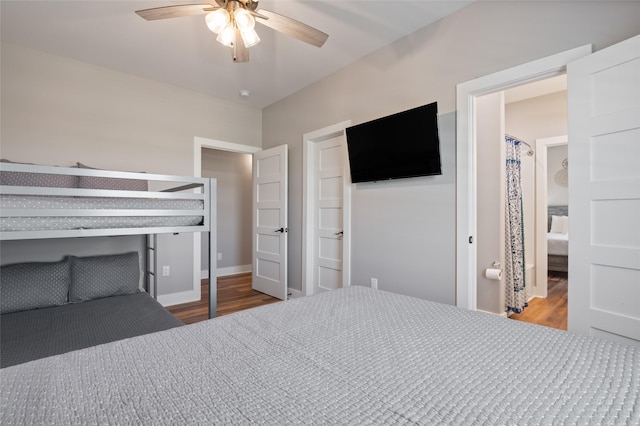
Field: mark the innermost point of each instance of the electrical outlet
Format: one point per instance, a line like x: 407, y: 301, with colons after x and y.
x: 374, y: 283
x: 219, y: 256
x: 166, y: 271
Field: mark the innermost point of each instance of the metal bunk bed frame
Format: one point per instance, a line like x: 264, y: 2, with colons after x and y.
x: 207, y: 194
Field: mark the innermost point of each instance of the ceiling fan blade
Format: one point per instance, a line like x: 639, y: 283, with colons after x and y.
x: 176, y: 11
x: 293, y: 28
x: 240, y: 52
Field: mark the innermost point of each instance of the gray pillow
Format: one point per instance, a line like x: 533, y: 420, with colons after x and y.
x: 25, y: 286
x: 96, y: 277
x: 93, y: 182
x: 36, y: 179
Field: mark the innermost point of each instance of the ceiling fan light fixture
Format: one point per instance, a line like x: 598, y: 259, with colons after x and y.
x: 217, y: 20
x: 249, y: 37
x: 244, y: 20
x: 233, y: 20
x: 228, y: 35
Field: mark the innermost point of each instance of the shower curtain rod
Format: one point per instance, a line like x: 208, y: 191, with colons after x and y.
x: 530, y: 152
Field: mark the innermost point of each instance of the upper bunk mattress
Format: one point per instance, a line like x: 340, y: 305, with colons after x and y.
x: 163, y: 213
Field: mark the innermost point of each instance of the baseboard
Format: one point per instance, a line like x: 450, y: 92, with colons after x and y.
x: 231, y: 270
x: 179, y: 298
x: 502, y: 314
x: 294, y: 294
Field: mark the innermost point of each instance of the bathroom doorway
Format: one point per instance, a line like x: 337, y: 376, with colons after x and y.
x: 530, y: 112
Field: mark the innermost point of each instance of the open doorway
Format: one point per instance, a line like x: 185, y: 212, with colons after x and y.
x: 536, y: 112
x: 233, y: 172
x: 467, y: 197
x: 529, y: 112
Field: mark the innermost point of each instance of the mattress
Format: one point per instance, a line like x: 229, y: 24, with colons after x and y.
x: 557, y: 244
x: 349, y: 356
x: 97, y: 222
x: 39, y: 333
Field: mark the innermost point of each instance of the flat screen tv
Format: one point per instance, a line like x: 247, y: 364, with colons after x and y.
x: 402, y: 145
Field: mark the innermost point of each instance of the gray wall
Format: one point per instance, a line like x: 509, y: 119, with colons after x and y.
x: 490, y: 183
x: 233, y: 174
x: 58, y: 111
x: 404, y: 222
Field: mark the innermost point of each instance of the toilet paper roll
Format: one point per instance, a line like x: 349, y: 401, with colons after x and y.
x: 493, y: 274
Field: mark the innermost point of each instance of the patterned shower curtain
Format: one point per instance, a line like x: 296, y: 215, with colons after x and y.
x: 516, y: 292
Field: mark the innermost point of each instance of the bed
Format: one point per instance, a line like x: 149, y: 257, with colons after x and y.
x: 558, y: 238
x: 49, y: 308
x: 350, y: 356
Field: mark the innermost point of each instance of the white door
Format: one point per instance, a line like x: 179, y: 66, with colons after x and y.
x: 270, y: 221
x: 604, y: 193
x: 328, y: 215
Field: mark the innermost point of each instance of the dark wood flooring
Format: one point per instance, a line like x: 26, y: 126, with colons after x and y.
x: 552, y: 311
x: 234, y: 294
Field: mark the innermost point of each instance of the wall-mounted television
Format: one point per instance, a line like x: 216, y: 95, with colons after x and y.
x: 402, y: 145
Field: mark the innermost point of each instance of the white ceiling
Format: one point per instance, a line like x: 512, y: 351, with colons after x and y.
x: 183, y: 52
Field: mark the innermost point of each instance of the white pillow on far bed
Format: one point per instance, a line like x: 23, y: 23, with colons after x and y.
x: 558, y: 224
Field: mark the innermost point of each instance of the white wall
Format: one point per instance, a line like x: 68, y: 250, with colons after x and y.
x: 58, y: 111
x: 405, y: 230
x: 557, y: 195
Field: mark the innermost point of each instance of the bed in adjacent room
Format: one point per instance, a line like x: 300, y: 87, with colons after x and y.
x: 558, y: 239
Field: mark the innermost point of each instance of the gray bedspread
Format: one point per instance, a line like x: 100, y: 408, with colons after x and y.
x: 350, y: 356
x: 38, y: 333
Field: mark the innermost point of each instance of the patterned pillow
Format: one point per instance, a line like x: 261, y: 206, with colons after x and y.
x: 96, y: 277
x: 26, y: 286
x: 94, y: 182
x: 36, y: 179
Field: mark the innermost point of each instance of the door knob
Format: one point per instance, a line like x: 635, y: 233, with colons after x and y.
x: 340, y: 233
x: 282, y: 230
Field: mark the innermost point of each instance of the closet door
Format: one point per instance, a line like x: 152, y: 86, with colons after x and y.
x: 604, y: 193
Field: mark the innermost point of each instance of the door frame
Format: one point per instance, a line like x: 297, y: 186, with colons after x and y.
x: 308, y: 195
x: 198, y: 144
x: 466, y: 170
x: 542, y: 203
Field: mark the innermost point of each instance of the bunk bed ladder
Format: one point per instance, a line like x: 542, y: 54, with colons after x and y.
x: 152, y: 265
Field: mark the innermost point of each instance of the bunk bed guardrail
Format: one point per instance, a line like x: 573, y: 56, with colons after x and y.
x: 29, y: 212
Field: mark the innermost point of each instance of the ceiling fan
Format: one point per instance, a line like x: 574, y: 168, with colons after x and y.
x: 234, y: 21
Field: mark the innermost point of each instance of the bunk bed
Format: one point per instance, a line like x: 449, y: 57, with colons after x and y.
x: 50, y: 308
